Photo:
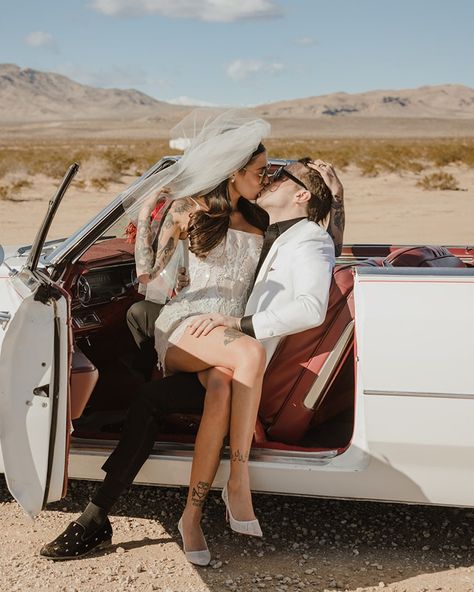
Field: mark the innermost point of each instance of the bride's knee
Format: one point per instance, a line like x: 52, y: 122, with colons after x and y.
x: 252, y: 355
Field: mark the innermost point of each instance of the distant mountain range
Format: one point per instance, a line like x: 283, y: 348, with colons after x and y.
x: 443, y: 101
x: 31, y: 95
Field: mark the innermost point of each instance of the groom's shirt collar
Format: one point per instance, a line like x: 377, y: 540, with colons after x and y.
x: 271, y: 234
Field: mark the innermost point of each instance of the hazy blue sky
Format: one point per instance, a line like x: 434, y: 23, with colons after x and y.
x: 243, y: 52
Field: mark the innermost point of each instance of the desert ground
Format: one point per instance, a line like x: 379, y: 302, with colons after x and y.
x: 308, y: 545
x: 394, y: 194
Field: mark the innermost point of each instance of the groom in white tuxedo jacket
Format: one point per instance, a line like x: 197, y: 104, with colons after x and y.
x: 291, y: 289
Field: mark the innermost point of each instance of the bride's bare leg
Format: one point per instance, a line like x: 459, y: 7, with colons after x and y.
x: 207, y: 447
x: 246, y: 358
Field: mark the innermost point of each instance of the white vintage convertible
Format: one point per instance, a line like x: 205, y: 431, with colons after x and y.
x: 378, y: 403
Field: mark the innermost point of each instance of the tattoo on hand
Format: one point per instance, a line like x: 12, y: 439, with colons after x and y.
x: 230, y: 335
x: 238, y: 456
x: 199, y: 494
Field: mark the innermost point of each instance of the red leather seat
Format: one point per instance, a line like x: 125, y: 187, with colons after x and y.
x: 300, y: 359
x: 426, y: 256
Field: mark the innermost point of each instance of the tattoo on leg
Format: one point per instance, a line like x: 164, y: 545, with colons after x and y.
x: 238, y: 456
x: 200, y: 493
x: 231, y: 335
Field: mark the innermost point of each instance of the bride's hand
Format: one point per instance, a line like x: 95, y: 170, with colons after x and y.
x: 203, y: 324
x: 150, y: 202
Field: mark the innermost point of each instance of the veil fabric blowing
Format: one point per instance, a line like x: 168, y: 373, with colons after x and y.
x: 218, y: 145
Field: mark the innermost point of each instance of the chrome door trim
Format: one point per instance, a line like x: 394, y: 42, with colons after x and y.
x: 418, y: 394
x: 186, y: 451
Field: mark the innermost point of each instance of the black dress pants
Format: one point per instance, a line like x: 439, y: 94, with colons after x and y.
x: 179, y: 393
x: 141, y: 317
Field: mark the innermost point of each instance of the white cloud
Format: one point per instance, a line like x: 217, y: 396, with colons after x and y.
x: 306, y: 41
x: 203, y: 10
x: 242, y: 69
x: 41, y: 39
x: 189, y: 101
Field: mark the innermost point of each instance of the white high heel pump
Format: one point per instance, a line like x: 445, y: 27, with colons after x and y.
x: 201, y: 558
x: 249, y: 527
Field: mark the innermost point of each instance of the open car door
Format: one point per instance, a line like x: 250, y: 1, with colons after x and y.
x: 34, y: 377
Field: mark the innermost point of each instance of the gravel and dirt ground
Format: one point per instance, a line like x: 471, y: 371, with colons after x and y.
x: 308, y: 544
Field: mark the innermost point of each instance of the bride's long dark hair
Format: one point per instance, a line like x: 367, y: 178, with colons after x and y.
x: 207, y: 228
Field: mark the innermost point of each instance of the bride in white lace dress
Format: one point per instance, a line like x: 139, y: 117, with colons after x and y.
x: 220, y: 282
x: 224, y: 240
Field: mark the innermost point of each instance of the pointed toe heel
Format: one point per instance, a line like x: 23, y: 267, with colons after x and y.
x: 201, y: 558
x: 248, y: 527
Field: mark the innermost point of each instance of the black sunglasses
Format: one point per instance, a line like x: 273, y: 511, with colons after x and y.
x: 282, y: 172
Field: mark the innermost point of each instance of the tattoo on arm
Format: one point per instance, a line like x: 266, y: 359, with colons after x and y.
x: 239, y: 456
x: 146, y: 261
x: 337, y: 223
x: 169, y: 221
x: 143, y: 248
x: 230, y: 335
x: 199, y: 493
x: 163, y: 255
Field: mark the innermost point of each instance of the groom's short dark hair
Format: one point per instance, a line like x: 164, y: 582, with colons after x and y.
x: 320, y: 202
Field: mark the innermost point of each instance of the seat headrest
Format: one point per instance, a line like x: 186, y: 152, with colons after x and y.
x: 426, y: 256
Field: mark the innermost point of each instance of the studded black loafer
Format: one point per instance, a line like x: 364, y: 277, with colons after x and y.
x: 77, y: 541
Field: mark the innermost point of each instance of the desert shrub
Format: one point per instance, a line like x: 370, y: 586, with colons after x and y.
x: 119, y: 160
x: 21, y: 184
x: 439, y: 181
x: 5, y: 192
x: 80, y: 184
x: 100, y: 183
x: 8, y: 191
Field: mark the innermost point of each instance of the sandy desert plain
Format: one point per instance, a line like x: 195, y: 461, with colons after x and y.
x: 405, y: 181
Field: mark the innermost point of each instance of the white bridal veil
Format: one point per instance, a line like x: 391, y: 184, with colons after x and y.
x: 217, y: 145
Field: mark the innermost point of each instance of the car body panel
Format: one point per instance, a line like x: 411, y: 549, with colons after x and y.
x: 413, y: 330
x: 33, y: 394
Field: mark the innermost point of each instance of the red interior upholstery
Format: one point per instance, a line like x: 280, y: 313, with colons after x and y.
x: 84, y: 377
x: 297, y: 362
x: 423, y: 257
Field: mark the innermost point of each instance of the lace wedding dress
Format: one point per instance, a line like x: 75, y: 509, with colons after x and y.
x: 220, y: 282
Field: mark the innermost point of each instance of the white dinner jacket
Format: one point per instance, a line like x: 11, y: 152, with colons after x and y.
x: 291, y: 291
